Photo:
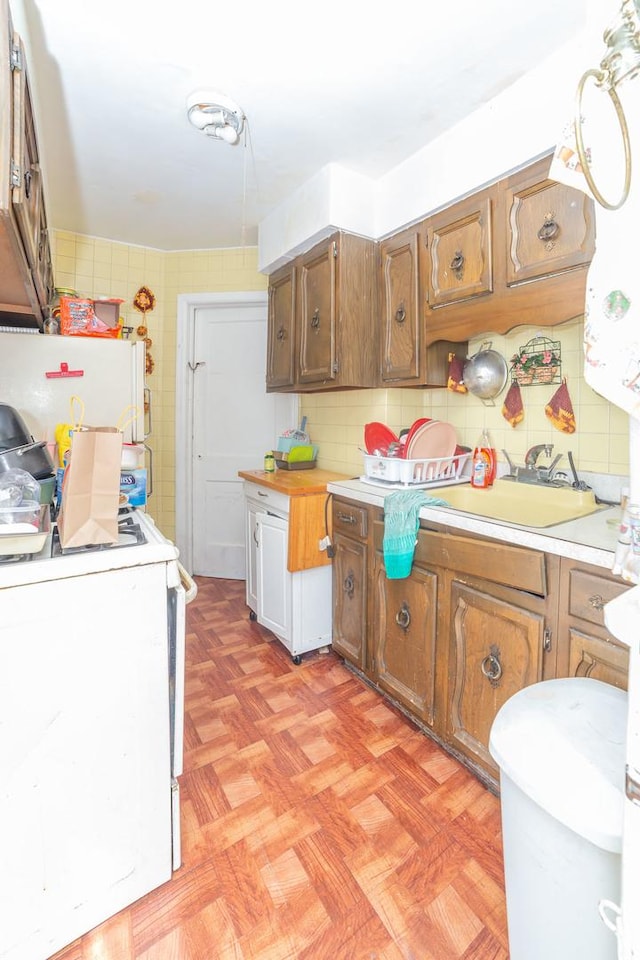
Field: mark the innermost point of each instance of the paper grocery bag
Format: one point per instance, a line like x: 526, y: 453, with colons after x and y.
x: 91, y: 488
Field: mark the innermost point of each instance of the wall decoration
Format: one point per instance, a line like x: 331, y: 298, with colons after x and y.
x: 144, y: 301
x: 538, y: 361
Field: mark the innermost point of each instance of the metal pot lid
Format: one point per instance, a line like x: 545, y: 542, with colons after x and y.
x: 485, y: 374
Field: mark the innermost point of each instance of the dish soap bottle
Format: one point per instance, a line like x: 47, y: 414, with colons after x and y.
x: 484, y: 463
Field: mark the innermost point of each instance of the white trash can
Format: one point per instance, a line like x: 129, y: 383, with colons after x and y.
x: 560, y: 746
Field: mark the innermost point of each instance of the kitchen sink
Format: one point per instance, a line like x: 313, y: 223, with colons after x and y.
x: 528, y: 505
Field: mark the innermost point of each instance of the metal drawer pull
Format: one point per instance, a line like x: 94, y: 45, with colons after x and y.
x: 349, y: 585
x: 345, y: 517
x: 281, y: 334
x: 597, y: 602
x: 403, y: 617
x: 491, y: 668
x: 315, y: 319
x: 401, y: 314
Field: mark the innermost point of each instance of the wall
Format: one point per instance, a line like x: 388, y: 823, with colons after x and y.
x: 96, y: 267
x: 600, y: 444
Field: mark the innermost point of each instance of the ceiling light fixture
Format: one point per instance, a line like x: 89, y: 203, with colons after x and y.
x: 215, y: 115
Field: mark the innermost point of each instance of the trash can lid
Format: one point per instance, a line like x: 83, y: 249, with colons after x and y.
x: 562, y: 742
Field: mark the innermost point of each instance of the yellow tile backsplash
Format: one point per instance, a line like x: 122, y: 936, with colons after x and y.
x: 599, y: 444
x: 96, y: 267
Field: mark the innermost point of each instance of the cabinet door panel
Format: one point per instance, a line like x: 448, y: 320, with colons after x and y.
x: 281, y: 330
x: 350, y: 599
x: 460, y: 245
x: 496, y: 649
x: 318, y: 316
x: 600, y: 659
x: 405, y: 621
x: 551, y: 229
x: 273, y: 581
x: 26, y: 194
x: 402, y: 315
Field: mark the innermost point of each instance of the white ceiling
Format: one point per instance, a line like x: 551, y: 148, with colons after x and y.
x: 361, y: 84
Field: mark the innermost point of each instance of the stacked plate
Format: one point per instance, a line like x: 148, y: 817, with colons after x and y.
x: 426, y: 440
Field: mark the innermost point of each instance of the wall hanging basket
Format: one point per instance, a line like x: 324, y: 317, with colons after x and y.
x: 538, y: 361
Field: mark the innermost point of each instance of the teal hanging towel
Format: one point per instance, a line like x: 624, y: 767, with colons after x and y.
x: 401, y: 522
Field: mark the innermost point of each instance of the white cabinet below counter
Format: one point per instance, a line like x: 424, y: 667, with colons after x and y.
x: 288, y: 588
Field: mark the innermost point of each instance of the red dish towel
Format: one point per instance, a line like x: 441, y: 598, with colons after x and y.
x: 454, y: 380
x: 560, y: 410
x: 512, y: 408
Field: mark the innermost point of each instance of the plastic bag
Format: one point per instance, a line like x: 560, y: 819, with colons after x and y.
x: 17, y: 487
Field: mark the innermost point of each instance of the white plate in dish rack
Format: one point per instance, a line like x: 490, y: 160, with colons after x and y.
x: 432, y: 441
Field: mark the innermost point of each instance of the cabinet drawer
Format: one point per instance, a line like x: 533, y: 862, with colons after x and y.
x: 268, y: 499
x: 350, y: 519
x: 588, y: 593
x: 518, y: 567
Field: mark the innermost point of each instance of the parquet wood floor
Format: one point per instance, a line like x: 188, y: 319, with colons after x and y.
x: 317, y: 822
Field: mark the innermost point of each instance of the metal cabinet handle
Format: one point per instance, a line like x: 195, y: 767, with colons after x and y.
x: 549, y: 230
x: 597, y: 602
x: 281, y: 334
x: 349, y: 584
x: 491, y: 668
x: 315, y: 319
x: 345, y: 517
x: 457, y: 264
x: 403, y: 617
x: 401, y: 314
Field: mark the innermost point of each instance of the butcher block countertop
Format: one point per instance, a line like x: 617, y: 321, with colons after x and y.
x: 294, y: 482
x: 309, y: 521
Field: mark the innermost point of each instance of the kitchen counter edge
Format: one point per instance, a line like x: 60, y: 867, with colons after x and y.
x: 294, y: 482
x: 590, y: 539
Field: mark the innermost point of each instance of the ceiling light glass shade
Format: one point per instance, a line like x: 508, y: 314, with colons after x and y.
x: 215, y: 115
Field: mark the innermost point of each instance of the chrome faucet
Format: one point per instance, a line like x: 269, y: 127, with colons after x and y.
x: 530, y: 472
x: 532, y: 454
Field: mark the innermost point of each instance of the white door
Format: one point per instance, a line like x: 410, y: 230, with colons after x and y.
x: 234, y: 422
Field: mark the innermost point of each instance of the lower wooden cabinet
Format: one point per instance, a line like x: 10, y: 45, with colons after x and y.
x: 497, y: 647
x: 476, y: 621
x: 586, y: 648
x: 404, y: 637
x: 350, y: 524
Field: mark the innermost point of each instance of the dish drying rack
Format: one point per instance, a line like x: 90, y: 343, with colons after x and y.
x: 398, y: 472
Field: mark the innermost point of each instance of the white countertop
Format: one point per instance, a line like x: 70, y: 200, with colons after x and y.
x: 590, y: 539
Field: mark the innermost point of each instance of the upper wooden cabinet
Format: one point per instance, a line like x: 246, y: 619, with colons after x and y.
x: 281, y: 336
x: 460, y: 242
x: 334, y: 291
x: 26, y: 276
x: 516, y: 253
x: 405, y: 358
x: 550, y: 226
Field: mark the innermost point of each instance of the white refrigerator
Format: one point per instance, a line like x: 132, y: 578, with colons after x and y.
x: 40, y: 374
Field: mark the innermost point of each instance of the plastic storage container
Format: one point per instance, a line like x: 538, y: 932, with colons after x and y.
x: 560, y: 746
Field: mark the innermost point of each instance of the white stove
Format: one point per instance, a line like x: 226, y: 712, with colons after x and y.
x: 148, y: 545
x: 91, y: 732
